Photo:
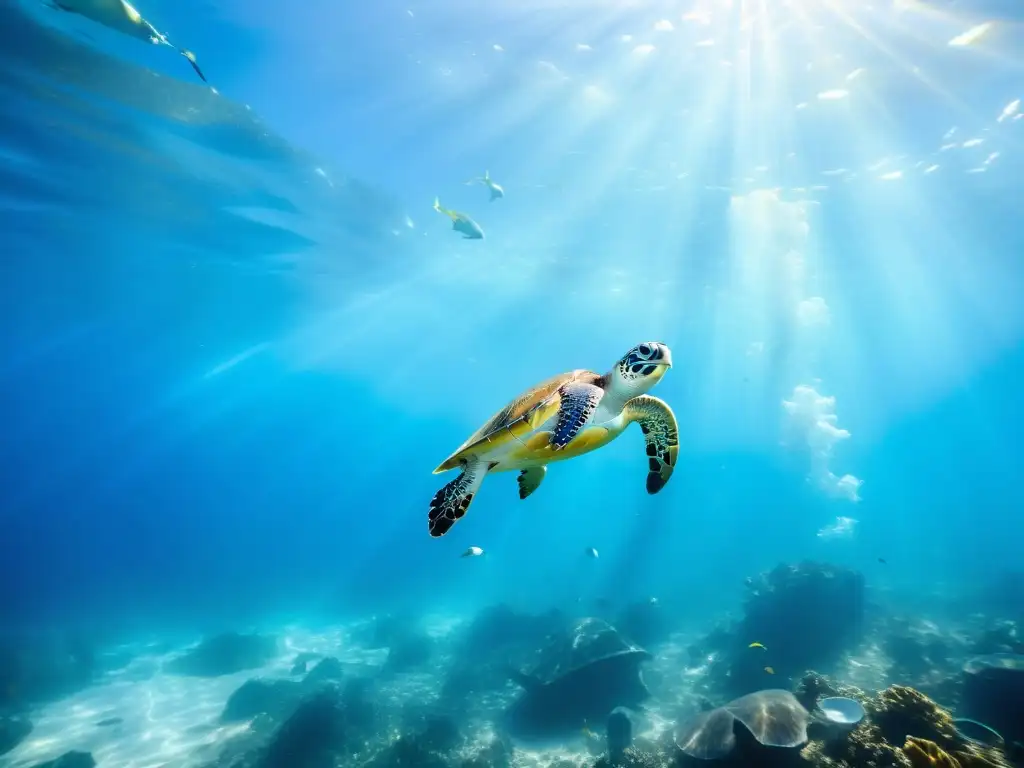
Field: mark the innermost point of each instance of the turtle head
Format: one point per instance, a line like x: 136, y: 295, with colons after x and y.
x: 641, y: 368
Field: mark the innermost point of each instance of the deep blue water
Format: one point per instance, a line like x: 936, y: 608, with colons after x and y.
x: 226, y: 376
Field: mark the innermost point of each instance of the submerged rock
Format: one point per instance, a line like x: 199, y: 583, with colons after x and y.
x: 409, y: 651
x: 312, y: 737
x: 433, y: 745
x: 581, y: 677
x: 804, y: 616
x: 440, y: 734
x: 619, y: 734
x: 224, y: 655
x: 44, y: 666
x: 70, y: 760
x: 326, y: 670
x: 993, y: 693
x: 500, y: 631
x: 275, y: 698
x: 493, y: 753
x: 999, y: 637
x: 13, y: 731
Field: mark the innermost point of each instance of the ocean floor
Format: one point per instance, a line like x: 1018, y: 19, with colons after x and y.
x: 456, y: 690
x: 144, y: 716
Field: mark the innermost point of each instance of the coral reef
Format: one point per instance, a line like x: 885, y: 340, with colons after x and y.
x: 899, y: 712
x: 903, y: 729
x: 803, y: 616
x: 927, y: 754
x: 446, y: 695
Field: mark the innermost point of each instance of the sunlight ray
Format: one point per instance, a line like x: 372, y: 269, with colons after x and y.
x: 916, y: 71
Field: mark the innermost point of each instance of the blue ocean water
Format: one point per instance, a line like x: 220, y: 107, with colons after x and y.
x: 236, y: 339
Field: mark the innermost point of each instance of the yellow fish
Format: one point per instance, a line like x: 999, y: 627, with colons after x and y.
x: 756, y: 645
x: 769, y: 670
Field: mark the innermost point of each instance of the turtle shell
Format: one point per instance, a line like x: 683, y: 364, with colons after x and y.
x: 517, y: 419
x: 592, y: 641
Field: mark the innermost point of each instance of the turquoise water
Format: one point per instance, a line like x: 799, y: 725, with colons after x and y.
x: 237, y: 339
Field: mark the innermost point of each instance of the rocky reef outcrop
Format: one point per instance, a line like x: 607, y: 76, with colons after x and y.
x: 993, y: 692
x: 802, y: 616
x: 903, y: 729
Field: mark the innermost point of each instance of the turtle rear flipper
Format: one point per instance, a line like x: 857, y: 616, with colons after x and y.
x: 530, y: 479
x: 451, y: 502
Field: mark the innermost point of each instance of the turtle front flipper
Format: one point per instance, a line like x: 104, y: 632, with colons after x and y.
x: 451, y: 502
x: 530, y: 480
x: 579, y: 400
x: 661, y: 433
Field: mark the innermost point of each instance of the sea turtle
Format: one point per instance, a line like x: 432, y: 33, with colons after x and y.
x: 582, y: 676
x: 121, y: 16
x: 566, y: 416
